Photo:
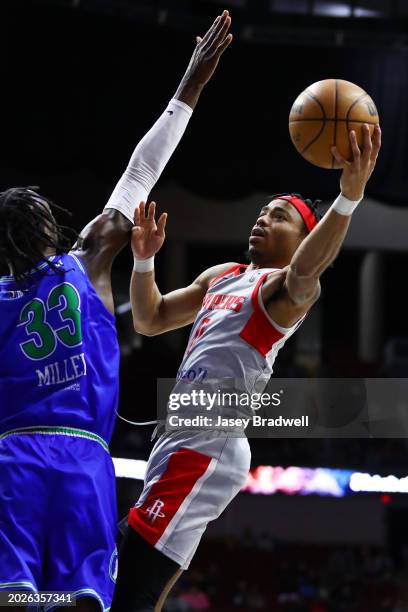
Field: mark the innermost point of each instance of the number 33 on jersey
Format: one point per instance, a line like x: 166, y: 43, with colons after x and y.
x: 59, y: 356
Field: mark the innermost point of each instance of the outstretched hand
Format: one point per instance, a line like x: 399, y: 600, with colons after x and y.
x: 357, y: 172
x: 208, y: 51
x: 147, y: 235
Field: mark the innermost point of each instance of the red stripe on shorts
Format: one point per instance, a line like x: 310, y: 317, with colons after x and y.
x: 165, y: 497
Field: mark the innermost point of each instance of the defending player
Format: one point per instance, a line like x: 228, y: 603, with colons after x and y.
x: 59, y: 360
x: 242, y: 316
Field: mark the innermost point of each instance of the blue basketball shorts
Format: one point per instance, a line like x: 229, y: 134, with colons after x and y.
x: 58, y: 517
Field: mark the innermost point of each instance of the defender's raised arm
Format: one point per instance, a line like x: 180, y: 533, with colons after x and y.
x: 104, y: 237
x: 155, y: 149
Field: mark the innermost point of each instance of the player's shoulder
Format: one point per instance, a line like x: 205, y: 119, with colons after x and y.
x: 212, y: 273
x: 221, y: 268
x: 98, y: 232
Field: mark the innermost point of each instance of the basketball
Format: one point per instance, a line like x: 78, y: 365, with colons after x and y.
x: 323, y: 115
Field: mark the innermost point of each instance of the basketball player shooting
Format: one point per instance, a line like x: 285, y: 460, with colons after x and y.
x: 59, y: 362
x: 242, y: 316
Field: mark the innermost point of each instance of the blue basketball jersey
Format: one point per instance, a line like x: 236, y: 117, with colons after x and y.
x: 59, y: 354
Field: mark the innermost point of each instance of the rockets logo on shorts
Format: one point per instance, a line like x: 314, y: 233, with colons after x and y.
x: 154, y: 511
x: 177, y: 486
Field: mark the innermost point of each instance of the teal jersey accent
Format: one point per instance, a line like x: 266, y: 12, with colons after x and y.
x: 59, y: 354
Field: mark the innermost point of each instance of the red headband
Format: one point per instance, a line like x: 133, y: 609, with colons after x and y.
x: 308, y: 217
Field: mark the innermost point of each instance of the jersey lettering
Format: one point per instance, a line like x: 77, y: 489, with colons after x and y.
x: 213, y: 301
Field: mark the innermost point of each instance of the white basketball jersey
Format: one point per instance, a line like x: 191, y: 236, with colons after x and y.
x: 233, y: 337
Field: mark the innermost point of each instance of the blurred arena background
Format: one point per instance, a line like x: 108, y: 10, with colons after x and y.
x: 82, y: 80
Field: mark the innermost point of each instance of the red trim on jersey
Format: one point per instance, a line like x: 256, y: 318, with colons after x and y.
x: 234, y: 269
x: 259, y: 331
x: 165, y: 497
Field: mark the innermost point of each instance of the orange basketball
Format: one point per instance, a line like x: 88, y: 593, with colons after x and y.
x: 324, y: 114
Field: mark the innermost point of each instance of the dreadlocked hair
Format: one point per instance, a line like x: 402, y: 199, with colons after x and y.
x: 312, y: 204
x: 27, y: 228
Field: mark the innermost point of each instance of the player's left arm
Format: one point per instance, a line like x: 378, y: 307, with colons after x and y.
x: 299, y: 285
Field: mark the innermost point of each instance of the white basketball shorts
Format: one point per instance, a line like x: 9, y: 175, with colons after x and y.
x: 190, y: 480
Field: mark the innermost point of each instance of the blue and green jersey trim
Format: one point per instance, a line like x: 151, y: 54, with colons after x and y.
x: 17, y: 586
x: 56, y: 431
x: 78, y: 594
x: 56, y: 259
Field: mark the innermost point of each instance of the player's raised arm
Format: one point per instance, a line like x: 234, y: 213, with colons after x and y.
x: 156, y: 147
x: 102, y: 239
x: 154, y: 313
x: 318, y: 250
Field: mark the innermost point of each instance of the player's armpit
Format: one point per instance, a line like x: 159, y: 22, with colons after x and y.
x: 97, y: 246
x: 102, y: 239
x: 287, y: 297
x: 302, y: 289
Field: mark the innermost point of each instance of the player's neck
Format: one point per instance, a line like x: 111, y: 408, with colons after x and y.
x: 271, y: 263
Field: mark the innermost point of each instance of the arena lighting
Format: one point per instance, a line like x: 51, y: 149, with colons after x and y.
x: 268, y: 480
x: 129, y: 468
x: 365, y: 483
x: 333, y: 9
x: 362, y: 12
x: 344, y: 9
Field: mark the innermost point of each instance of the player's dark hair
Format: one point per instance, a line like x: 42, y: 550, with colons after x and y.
x: 313, y: 205
x: 27, y: 228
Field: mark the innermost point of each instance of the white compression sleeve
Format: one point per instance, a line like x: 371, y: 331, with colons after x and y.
x: 150, y: 158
